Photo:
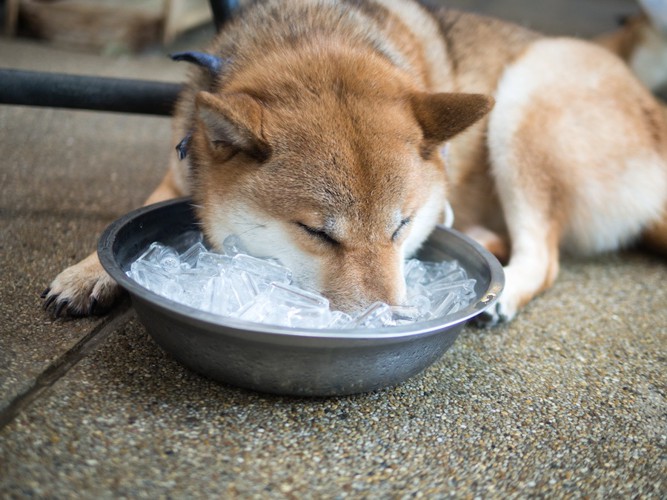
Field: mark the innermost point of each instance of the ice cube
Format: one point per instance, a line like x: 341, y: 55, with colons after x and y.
x: 444, y: 284
x: 267, y: 309
x: 237, y: 284
x: 232, y: 246
x: 231, y: 292
x: 215, y: 262
x: 244, y: 286
x: 449, y: 298
x: 152, y: 276
x: 185, y: 273
x: 257, y: 311
x: 448, y: 305
x: 414, y: 272
x: 162, y: 255
x: 186, y: 240
x: 223, y: 300
x: 376, y: 315
x: 423, y: 305
x: 308, y: 317
x: 442, y: 271
x: 439, y: 289
x: 406, y: 314
x: 219, y: 299
x: 286, y: 305
x: 292, y: 295
x: 339, y: 319
x: 267, y: 271
x: 190, y: 256
x: 197, y: 289
x: 453, y: 302
x: 416, y: 290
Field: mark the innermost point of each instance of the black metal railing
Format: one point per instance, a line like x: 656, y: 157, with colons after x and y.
x: 58, y: 90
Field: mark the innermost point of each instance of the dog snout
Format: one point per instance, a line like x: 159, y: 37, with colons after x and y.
x: 365, y: 280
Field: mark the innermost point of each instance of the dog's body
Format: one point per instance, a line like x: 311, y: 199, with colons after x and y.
x: 320, y: 142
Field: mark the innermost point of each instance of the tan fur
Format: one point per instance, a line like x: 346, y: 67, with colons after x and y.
x: 494, y: 243
x: 623, y: 42
x: 282, y: 161
x: 642, y: 43
x: 321, y: 143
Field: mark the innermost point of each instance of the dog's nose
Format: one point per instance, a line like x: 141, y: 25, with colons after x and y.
x: 364, y: 281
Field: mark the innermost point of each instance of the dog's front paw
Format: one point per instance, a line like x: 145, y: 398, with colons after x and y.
x: 81, y: 290
x: 495, y: 315
x: 505, y: 309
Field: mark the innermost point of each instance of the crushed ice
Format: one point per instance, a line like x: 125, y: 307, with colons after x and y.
x: 238, y: 285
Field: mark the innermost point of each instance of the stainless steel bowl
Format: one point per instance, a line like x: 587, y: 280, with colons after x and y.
x: 289, y: 360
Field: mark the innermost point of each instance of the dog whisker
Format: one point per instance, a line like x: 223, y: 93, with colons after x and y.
x: 248, y: 231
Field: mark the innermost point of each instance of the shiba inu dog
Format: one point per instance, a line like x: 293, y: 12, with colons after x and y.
x: 333, y: 135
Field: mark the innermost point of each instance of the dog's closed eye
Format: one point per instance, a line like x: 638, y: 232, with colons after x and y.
x: 320, y: 234
x: 400, y: 227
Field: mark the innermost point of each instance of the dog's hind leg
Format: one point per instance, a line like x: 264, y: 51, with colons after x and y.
x: 577, y: 150
x: 490, y: 240
x: 85, y: 288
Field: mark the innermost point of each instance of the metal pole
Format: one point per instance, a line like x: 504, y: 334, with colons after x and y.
x: 58, y: 90
x: 222, y: 11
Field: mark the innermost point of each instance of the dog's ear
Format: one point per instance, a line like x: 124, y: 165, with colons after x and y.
x: 444, y: 115
x: 234, y: 120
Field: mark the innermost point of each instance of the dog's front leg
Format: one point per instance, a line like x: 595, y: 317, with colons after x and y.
x: 534, y: 261
x: 85, y: 288
x: 532, y: 269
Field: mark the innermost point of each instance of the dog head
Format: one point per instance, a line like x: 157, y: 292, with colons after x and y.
x: 333, y: 170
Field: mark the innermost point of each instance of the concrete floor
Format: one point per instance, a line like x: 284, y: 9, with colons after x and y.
x: 567, y: 401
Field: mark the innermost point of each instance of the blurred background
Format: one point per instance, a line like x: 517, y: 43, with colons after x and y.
x: 119, y: 27
x: 132, y: 39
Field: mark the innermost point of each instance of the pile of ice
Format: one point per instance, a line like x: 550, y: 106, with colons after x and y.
x: 238, y: 285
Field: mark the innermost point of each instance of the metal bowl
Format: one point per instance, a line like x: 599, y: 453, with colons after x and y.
x: 285, y: 360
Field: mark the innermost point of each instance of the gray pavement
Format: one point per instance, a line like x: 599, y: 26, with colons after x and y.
x: 567, y: 401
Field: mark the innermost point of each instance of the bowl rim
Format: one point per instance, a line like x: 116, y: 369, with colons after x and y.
x: 211, y: 321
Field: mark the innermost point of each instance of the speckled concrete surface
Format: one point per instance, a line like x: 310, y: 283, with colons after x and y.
x: 64, y: 176
x: 567, y: 401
